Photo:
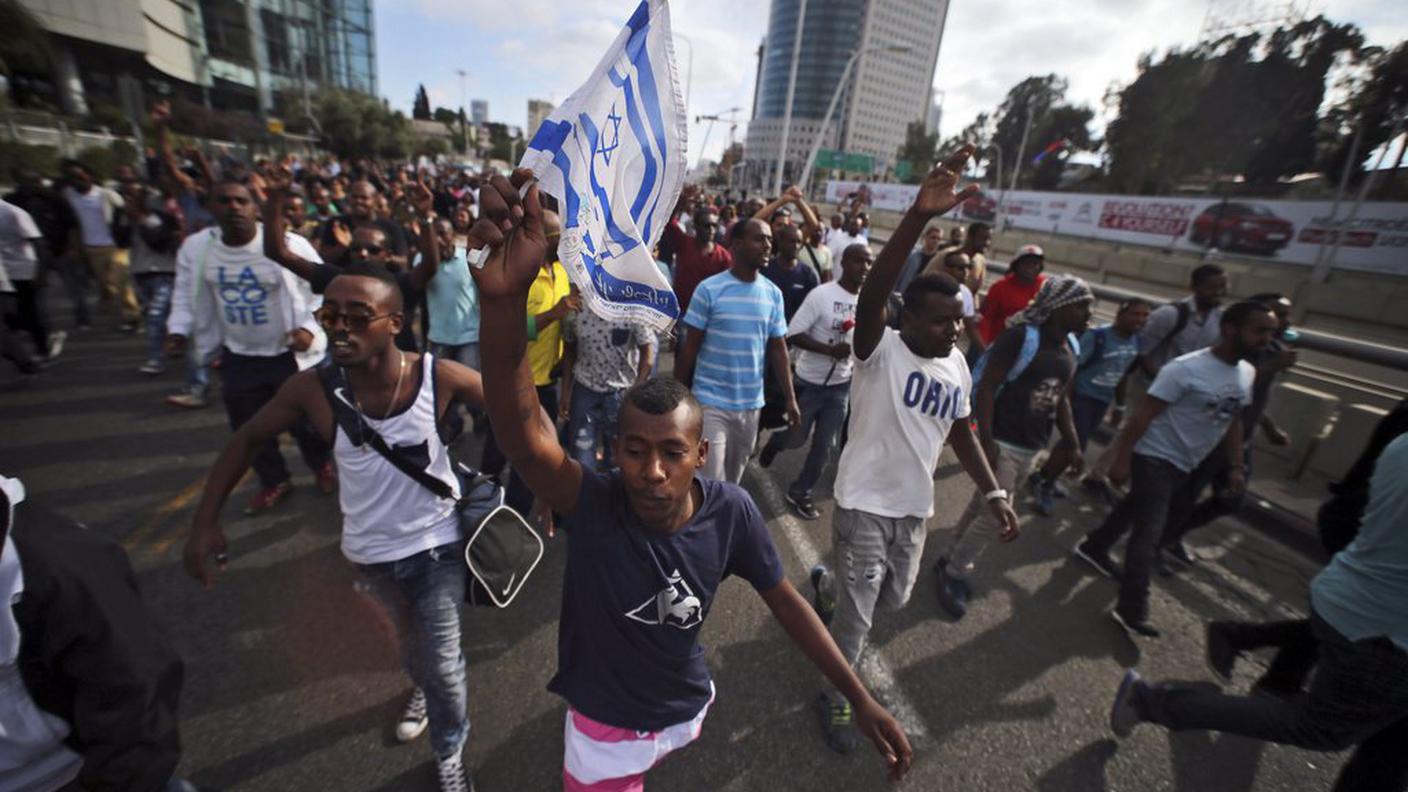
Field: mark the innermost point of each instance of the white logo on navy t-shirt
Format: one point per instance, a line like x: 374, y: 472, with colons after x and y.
x: 675, y: 605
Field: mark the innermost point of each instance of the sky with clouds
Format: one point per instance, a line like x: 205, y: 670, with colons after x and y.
x: 515, y: 50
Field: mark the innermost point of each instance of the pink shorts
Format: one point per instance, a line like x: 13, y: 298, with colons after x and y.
x: 601, y: 758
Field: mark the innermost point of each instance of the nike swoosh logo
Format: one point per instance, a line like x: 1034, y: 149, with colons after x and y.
x: 509, y: 587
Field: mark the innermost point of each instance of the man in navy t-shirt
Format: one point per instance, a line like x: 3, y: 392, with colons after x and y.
x: 648, y: 544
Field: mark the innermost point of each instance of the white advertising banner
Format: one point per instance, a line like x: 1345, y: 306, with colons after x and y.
x: 1285, y: 231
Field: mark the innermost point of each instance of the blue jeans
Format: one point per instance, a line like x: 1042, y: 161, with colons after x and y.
x: 154, y: 292
x: 1156, y: 488
x: 592, y: 420
x: 420, y: 597
x: 822, y: 407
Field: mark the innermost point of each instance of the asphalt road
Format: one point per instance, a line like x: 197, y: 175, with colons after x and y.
x: 291, y: 686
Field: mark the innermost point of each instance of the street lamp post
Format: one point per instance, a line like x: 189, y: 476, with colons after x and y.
x: 464, y: 119
x: 831, y: 108
x: 791, y: 89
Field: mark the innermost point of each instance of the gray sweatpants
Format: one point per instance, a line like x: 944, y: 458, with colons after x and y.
x: 876, y: 560
x: 978, y: 526
x: 731, y: 435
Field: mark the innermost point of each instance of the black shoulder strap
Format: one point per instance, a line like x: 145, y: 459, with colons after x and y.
x: 345, y: 411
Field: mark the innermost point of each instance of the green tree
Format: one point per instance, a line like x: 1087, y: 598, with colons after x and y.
x: 920, y: 149
x: 446, y: 116
x: 25, y: 47
x: 979, y: 133
x: 1374, y: 95
x: 1034, y: 97
x: 1063, y: 122
x: 1241, y: 105
x: 421, y: 109
x: 357, y: 125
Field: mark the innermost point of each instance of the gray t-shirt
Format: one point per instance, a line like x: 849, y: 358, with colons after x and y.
x: 608, y: 352
x: 1200, y: 332
x: 1204, y: 394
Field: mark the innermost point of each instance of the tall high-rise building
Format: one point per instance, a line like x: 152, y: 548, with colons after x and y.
x: 890, y: 86
x: 479, y: 111
x: 238, y: 54
x: 538, y: 110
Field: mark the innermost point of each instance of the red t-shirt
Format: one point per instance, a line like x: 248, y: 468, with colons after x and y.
x: 1006, y: 297
x: 692, y: 265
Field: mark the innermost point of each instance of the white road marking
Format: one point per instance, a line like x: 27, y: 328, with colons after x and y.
x: 874, y: 670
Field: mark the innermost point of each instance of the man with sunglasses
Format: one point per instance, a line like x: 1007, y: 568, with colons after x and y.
x: 404, y: 541
x: 229, y: 294
x: 698, y: 257
x: 335, y: 238
x: 367, y: 245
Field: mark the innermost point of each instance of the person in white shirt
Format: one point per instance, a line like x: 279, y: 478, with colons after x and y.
x: 821, y: 330
x: 229, y: 294
x: 957, y: 264
x: 840, y: 239
x: 910, y: 391
x: 1192, y: 409
x: 95, y: 205
x: 23, y: 248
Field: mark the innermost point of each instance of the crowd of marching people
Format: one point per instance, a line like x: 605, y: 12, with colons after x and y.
x: 381, y: 313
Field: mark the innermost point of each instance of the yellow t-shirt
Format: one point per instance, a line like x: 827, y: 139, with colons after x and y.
x: 545, y: 351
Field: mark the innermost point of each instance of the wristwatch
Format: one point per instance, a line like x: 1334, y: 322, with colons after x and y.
x: 996, y: 494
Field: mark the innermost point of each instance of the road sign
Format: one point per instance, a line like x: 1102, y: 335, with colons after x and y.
x: 861, y: 163
x: 903, y: 170
x: 828, y: 159
x: 275, y: 126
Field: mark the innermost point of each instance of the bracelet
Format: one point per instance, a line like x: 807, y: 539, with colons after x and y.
x: 996, y: 494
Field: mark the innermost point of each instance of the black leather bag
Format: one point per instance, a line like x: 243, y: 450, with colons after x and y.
x: 502, y: 549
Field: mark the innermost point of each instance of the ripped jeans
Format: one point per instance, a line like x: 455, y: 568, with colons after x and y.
x: 876, y: 562
x: 592, y: 424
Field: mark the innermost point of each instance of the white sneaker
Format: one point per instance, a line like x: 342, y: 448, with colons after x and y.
x: 453, y: 778
x: 56, y: 343
x: 151, y: 368
x: 413, y: 719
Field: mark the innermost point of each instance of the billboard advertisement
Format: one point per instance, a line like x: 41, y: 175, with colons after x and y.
x: 1286, y: 231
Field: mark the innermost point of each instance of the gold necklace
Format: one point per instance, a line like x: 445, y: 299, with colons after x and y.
x: 356, y: 400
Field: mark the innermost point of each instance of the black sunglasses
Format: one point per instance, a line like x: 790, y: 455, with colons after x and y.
x: 357, y: 321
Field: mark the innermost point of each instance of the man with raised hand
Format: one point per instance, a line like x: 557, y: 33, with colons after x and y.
x: 909, y: 395
x: 648, y: 545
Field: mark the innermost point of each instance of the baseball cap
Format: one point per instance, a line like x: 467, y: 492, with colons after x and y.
x: 1030, y: 250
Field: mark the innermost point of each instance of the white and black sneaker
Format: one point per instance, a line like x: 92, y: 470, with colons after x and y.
x: 413, y: 719
x: 453, y: 777
x: 1100, y: 562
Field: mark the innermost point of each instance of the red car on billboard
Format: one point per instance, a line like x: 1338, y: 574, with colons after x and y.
x: 1232, y: 225
x: 980, y: 207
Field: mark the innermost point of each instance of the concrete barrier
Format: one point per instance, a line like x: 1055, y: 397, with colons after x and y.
x: 1305, y: 414
x: 1335, y: 453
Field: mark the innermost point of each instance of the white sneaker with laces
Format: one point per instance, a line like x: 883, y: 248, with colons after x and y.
x: 453, y: 778
x: 413, y: 719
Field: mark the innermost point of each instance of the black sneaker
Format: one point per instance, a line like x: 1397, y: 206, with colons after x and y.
x: 823, y: 602
x: 837, y: 724
x: 1101, y: 562
x: 803, y: 506
x: 1221, y: 654
x: 769, y: 454
x: 1133, y: 627
x: 1124, y: 716
x: 953, y: 594
x: 1179, y: 552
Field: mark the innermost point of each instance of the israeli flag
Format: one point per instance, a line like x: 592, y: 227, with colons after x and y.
x: 613, y: 155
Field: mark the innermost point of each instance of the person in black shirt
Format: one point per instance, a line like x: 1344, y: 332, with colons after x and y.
x: 1022, y: 391
x: 334, y: 238
x: 58, y: 223
x: 787, y: 273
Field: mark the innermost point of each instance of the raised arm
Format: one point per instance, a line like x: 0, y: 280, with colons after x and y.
x: 513, y: 227
x: 161, y: 120
x: 276, y: 245
x: 423, y: 201
x: 936, y: 196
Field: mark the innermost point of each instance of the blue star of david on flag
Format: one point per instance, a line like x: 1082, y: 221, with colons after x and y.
x: 614, y: 156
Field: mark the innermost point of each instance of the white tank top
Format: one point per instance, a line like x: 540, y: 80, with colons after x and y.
x: 387, y: 515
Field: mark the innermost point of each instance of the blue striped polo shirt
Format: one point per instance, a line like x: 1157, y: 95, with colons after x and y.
x: 737, y: 319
